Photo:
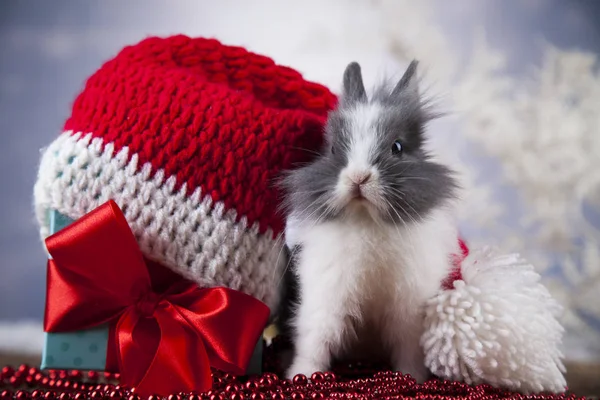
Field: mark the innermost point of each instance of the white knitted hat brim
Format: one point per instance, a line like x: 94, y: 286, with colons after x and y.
x: 189, y: 233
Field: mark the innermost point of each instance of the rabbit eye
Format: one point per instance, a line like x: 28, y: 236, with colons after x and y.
x: 397, y: 148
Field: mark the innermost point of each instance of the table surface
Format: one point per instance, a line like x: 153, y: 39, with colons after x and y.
x: 583, y: 379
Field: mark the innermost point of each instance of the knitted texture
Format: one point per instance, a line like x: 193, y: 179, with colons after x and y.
x: 188, y: 136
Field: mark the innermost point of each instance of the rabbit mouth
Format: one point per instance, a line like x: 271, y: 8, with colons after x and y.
x: 363, y: 193
x: 361, y: 198
x: 356, y: 193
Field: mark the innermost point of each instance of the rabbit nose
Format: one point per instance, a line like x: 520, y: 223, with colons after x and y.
x: 359, y: 179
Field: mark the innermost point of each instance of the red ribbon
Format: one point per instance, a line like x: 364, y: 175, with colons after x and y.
x: 165, y: 341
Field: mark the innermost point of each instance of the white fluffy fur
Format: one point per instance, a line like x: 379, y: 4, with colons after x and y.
x: 363, y: 281
x: 498, y: 325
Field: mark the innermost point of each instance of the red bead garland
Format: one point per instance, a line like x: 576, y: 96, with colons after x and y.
x: 348, y: 382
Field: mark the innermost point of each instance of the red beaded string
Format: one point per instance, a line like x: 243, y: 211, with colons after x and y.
x: 347, y: 382
x: 74, y: 385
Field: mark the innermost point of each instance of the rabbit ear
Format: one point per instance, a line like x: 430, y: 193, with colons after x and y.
x: 408, y: 85
x: 354, y: 89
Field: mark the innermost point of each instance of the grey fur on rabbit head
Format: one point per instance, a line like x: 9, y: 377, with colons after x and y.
x: 371, y: 224
x: 384, y: 156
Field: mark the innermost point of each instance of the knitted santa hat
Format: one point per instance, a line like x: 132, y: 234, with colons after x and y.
x: 188, y: 137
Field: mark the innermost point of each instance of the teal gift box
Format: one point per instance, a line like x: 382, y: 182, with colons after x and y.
x: 84, y: 350
x: 88, y: 349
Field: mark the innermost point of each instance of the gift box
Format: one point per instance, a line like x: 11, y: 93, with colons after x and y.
x: 85, y: 349
x: 95, y: 347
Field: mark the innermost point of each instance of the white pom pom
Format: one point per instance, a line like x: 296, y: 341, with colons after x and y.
x: 497, y: 326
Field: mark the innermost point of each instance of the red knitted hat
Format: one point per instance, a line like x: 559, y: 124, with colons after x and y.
x: 188, y: 136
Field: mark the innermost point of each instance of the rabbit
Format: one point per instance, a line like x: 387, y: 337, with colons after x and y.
x: 370, y: 229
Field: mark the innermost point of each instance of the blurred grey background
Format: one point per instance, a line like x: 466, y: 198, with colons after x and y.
x: 49, y: 48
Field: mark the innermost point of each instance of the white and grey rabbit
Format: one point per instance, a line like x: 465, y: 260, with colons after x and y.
x: 370, y: 224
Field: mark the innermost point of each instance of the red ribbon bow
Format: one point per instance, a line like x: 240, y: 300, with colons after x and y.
x: 165, y: 342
